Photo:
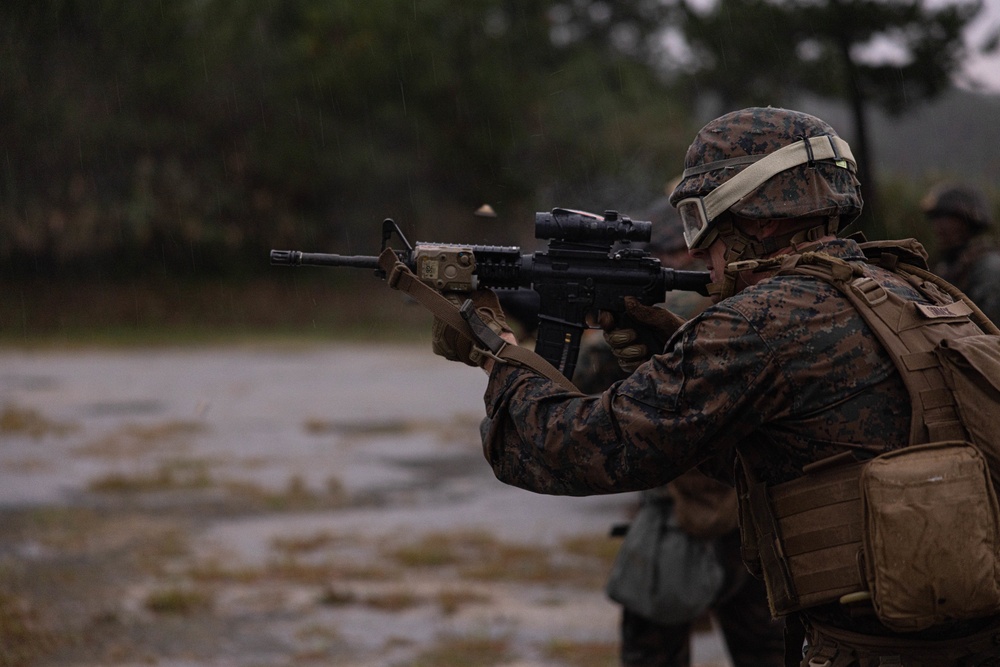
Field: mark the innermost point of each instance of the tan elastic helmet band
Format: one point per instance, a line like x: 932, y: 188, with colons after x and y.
x: 719, y: 200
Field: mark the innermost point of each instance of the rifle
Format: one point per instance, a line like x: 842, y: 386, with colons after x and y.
x: 578, y: 275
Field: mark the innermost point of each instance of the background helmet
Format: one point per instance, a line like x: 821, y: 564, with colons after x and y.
x: 667, y: 235
x: 723, y: 148
x: 948, y: 199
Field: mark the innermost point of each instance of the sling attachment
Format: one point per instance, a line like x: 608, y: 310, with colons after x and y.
x: 468, y: 324
x: 481, y: 331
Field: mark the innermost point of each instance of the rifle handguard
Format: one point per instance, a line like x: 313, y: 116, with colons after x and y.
x: 404, y: 280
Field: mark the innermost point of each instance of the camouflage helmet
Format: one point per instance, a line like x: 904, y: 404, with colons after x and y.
x: 948, y: 199
x: 820, y: 182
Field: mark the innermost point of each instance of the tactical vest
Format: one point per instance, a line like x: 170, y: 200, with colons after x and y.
x: 915, y: 531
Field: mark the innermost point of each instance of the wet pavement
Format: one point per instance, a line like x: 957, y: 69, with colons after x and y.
x: 272, y: 505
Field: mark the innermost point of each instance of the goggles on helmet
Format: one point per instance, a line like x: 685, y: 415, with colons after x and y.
x: 697, y: 213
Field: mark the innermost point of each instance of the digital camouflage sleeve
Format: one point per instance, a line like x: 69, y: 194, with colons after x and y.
x: 785, y: 370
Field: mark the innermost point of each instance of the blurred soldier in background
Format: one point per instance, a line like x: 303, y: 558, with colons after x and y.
x: 702, y: 508
x: 968, y: 255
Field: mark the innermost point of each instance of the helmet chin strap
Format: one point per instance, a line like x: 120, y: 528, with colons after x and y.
x: 741, y: 246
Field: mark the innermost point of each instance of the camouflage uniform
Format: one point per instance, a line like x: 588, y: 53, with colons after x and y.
x: 703, y: 507
x: 976, y: 271
x: 973, y: 267
x: 784, y: 367
x: 786, y: 371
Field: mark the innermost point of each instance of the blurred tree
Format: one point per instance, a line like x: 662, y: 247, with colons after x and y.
x: 179, y: 134
x: 428, y: 110
x: 893, y: 54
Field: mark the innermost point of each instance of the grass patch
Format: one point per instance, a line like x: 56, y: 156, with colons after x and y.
x: 601, y: 548
x: 580, y: 561
x: 65, y: 529
x: 291, y: 306
x: 23, y: 640
x: 296, y: 496
x: 518, y: 562
x: 367, y: 428
x: 393, y: 601
x: 465, y: 652
x: 194, y: 475
x: 135, y: 440
x: 180, y: 601
x: 292, y: 570
x: 338, y: 597
x: 583, y: 654
x: 440, y: 549
x: 297, y: 571
x: 450, y: 601
x: 388, y: 601
x: 169, y: 476
x: 16, y: 420
x: 213, y: 571
x: 303, y: 544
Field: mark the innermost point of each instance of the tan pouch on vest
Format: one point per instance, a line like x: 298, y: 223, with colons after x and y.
x: 931, y: 538
x: 971, y: 368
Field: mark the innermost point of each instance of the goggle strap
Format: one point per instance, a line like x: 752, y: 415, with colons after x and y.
x: 825, y: 147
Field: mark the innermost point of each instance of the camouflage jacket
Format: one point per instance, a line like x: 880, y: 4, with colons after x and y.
x: 786, y: 371
x: 976, y: 271
x: 701, y: 506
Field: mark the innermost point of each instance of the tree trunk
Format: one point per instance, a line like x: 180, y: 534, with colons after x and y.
x: 870, y: 222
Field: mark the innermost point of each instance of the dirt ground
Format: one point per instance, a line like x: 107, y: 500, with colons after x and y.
x: 283, y: 505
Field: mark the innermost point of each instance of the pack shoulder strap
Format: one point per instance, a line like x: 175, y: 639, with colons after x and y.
x: 465, y: 320
x: 909, y: 331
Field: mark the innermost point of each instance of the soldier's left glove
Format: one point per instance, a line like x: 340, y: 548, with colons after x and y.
x: 639, y: 333
x: 450, y: 344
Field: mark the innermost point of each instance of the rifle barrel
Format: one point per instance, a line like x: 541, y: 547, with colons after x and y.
x: 299, y: 258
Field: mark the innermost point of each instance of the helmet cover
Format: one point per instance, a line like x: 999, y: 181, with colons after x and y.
x: 818, y: 189
x: 958, y: 201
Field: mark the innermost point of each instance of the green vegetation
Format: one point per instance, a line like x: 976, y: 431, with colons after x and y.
x: 583, y: 654
x: 458, y: 651
x: 183, y: 142
x: 478, y: 556
x: 169, y: 476
x: 178, y: 600
x: 826, y: 51
x: 16, y: 420
x: 154, y: 153
x: 102, y: 566
x: 22, y: 638
x: 298, y: 305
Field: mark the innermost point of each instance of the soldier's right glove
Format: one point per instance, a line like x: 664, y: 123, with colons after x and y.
x: 453, y: 346
x: 638, y: 334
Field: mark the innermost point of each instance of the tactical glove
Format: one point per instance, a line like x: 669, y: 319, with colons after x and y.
x: 447, y: 342
x: 639, y: 333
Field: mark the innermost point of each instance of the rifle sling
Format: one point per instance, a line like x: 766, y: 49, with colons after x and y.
x: 400, y: 277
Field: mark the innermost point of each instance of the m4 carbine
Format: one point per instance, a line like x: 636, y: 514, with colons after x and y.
x: 590, y: 265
